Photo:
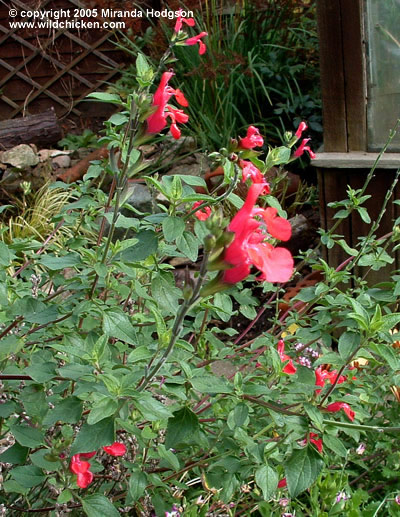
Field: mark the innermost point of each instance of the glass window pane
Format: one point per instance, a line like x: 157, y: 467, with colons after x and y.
x: 383, y: 53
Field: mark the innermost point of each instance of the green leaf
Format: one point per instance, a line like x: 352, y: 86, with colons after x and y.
x: 388, y: 354
x: 267, y: 479
x: 92, y: 437
x: 302, y: 469
x: 142, y: 66
x: 116, y: 324
x: 105, y: 97
x: 348, y: 344
x: 75, y: 371
x: 97, y: 505
x: 68, y: 410
x: 390, y: 321
x: 181, y: 428
x: 188, y: 244
x: 147, y: 245
x: 151, y: 409
x: 41, y: 372
x: 168, y: 456
x: 173, y: 227
x: 39, y: 459
x: 193, y: 180
x: 10, y: 345
x: 141, y: 353
x: 210, y: 384
x: 57, y: 263
x: 137, y: 484
x: 165, y: 292
x: 26, y: 435
x: 335, y: 445
x: 103, y: 409
x: 28, y: 476
x: 15, y: 454
x: 315, y: 415
x: 5, y: 255
x: 118, y: 119
x: 7, y: 408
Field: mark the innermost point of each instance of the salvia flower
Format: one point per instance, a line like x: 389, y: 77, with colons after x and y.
x: 289, y: 368
x: 81, y: 469
x: 322, y: 375
x: 250, y: 171
x: 252, y: 139
x: 282, y: 483
x: 303, y: 147
x: 197, y: 39
x: 249, y: 247
x: 116, y: 449
x: 302, y: 127
x: 361, y: 449
x: 337, y: 406
x: 313, y: 437
x: 158, y: 120
x: 181, y: 20
x: 202, y: 214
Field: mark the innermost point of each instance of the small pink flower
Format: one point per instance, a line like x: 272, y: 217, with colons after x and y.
x: 252, y: 139
x: 197, y: 39
x: 397, y: 499
x: 361, y: 449
x: 116, y: 449
x: 302, y: 127
x: 202, y: 214
x: 250, y: 171
x: 303, y: 147
x: 337, y: 406
x: 181, y: 19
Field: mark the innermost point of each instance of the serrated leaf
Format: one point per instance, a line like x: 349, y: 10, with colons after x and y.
x: 28, y: 476
x: 103, y: 409
x: 302, y: 469
x: 173, y: 227
x: 97, y: 505
x: 315, y: 415
x: 210, y: 384
x: 188, y: 244
x: 388, y: 354
x: 335, y: 445
x: 137, y: 484
x: 181, y: 427
x: 165, y: 292
x: 26, y: 435
x: 16, y: 454
x: 92, y: 437
x: 68, y: 410
x: 116, y: 324
x: 151, y: 409
x: 267, y: 479
x: 168, y: 456
x: 348, y: 344
x: 147, y: 244
x: 57, y: 263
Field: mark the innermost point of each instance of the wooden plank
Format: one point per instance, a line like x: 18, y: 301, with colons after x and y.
x: 354, y: 74
x: 332, y: 75
x: 356, y: 160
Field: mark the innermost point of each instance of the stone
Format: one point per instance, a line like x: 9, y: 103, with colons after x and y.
x: 21, y: 157
x: 62, y: 161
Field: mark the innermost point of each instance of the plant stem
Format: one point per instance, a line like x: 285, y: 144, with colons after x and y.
x: 360, y: 427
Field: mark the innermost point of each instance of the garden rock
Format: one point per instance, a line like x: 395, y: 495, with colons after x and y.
x: 21, y: 157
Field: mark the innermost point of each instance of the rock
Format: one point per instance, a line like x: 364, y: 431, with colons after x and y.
x: 46, y: 154
x: 62, y: 161
x: 139, y: 196
x: 194, y: 165
x: 21, y: 157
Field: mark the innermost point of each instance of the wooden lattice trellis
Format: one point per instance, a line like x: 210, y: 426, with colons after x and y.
x: 40, y: 68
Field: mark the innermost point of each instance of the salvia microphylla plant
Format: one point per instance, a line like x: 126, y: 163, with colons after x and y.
x: 125, y: 391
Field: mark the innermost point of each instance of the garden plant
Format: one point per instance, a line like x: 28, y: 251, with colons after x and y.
x: 126, y: 390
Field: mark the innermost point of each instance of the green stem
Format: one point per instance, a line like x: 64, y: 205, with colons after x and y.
x: 360, y: 427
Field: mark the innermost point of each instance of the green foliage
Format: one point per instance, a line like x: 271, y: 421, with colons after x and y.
x: 73, y: 142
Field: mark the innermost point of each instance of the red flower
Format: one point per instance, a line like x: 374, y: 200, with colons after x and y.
x: 337, y: 406
x: 321, y: 375
x: 197, y: 39
x: 278, y: 227
x: 289, y: 367
x: 158, y: 120
x: 252, y: 139
x: 248, y: 246
x: 316, y: 441
x: 250, y: 171
x: 180, y: 19
x: 202, y: 214
x: 81, y: 469
x: 302, y: 127
x: 87, y: 455
x: 116, y: 449
x: 282, y: 483
x: 303, y: 147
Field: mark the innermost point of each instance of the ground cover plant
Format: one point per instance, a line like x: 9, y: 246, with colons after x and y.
x: 123, y: 392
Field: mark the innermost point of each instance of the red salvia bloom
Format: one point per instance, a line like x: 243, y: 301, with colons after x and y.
x: 282, y: 483
x: 289, y: 367
x: 252, y: 139
x: 337, y: 406
x: 302, y: 127
x: 250, y: 171
x: 181, y: 19
x: 303, y: 147
x: 248, y: 247
x: 197, y: 39
x: 116, y: 449
x: 158, y: 120
x: 81, y: 469
x: 202, y: 214
x: 316, y: 441
x: 322, y: 375
x: 87, y: 455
